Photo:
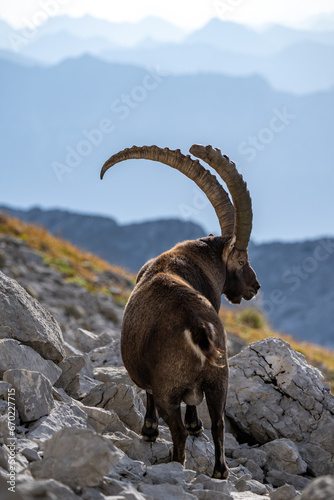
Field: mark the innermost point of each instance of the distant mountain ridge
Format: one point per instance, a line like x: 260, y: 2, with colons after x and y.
x: 123, y: 34
x: 280, y: 54
x: 287, y: 69
x: 274, y: 138
x: 297, y: 279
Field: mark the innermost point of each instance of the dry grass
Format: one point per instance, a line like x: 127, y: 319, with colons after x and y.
x: 250, y: 325
x: 76, y: 265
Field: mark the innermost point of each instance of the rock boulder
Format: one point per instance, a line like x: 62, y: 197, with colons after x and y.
x: 25, y: 319
x: 274, y: 393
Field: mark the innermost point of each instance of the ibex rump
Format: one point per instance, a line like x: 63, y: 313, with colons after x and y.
x: 173, y: 342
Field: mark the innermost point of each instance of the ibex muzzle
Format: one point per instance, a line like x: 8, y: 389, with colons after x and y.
x: 173, y: 342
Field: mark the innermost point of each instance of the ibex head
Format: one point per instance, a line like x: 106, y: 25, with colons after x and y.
x: 235, y: 221
x: 241, y: 281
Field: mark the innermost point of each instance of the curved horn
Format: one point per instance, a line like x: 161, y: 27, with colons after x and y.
x: 192, y: 169
x: 237, y: 187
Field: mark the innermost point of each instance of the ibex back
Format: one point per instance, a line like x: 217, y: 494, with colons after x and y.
x: 173, y: 342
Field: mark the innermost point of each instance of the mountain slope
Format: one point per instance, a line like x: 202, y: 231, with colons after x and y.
x: 129, y: 246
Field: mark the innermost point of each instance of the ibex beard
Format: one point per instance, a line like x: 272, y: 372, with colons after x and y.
x: 173, y: 342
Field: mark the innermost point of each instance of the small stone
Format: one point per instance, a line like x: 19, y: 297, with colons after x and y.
x: 77, y: 458
x: 33, y: 393
x: 214, y: 484
x: 62, y: 415
x: 211, y: 495
x: 30, y: 455
x: 81, y: 385
x: 283, y: 455
x: 172, y: 473
x: 69, y: 367
x: 108, y: 355
x: 238, y: 472
x: 46, y: 489
x: 321, y: 488
x: 118, y: 375
x: 251, y: 485
x: 132, y: 470
x: 100, y: 395
x: 119, y: 490
x: 122, y: 399
x: 138, y: 449
x: 165, y: 492
x: 280, y: 478
x: 23, y: 443
x: 286, y: 492
x: 87, y: 341
x: 98, y: 418
x: 13, y: 356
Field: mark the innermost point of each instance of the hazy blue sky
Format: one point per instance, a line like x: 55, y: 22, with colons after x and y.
x: 187, y: 14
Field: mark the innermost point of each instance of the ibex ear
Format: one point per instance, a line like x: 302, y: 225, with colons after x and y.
x: 228, y: 248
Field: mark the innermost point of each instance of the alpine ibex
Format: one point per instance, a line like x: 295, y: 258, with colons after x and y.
x: 173, y: 343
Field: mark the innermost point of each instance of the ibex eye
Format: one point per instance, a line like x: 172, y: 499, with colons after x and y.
x: 241, y: 263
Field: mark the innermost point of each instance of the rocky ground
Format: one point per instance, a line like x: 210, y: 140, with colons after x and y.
x: 70, y: 417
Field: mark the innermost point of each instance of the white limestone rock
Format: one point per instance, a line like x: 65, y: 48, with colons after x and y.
x: 14, y: 355
x: 321, y: 488
x: 172, y: 473
x: 46, y: 488
x: 70, y: 367
x: 200, y: 454
x: 123, y: 399
x: 118, y: 375
x: 165, y: 492
x: 62, y: 415
x: 107, y: 355
x: 77, y: 458
x: 286, y: 492
x: 25, y: 319
x: 86, y: 341
x: 33, y: 393
x: 274, y: 394
x: 283, y: 455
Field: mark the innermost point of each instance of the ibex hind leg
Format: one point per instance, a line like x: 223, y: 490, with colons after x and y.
x: 170, y: 411
x: 192, y: 422
x: 150, y: 430
x: 216, y: 405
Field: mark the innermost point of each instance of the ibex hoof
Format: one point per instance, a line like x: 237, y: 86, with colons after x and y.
x: 194, y: 428
x: 150, y: 430
x: 220, y: 475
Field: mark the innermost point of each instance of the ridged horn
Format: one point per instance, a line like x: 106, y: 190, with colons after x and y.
x: 237, y: 188
x: 192, y: 169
